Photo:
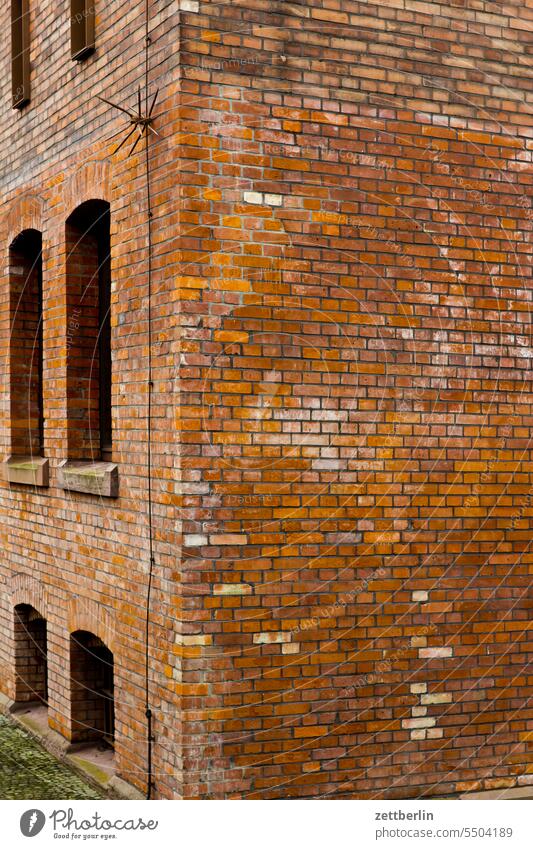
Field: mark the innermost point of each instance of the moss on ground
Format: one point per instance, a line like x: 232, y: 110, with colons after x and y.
x: 27, y: 771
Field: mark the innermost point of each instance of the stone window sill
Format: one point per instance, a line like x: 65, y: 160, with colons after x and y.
x: 94, y: 478
x: 32, y: 471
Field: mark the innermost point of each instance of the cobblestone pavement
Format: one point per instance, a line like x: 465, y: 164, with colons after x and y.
x: 27, y: 771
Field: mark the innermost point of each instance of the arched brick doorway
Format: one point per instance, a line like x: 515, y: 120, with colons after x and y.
x: 31, y: 670
x: 91, y: 689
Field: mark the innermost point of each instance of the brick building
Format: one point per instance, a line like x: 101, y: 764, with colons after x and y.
x: 290, y: 442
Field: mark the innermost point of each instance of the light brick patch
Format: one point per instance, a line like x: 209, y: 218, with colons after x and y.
x: 192, y: 540
x: 193, y: 639
x: 436, y: 699
x: 419, y: 595
x: 253, y: 197
x: 436, y: 651
x: 232, y: 589
x: 419, y: 722
x: 418, y: 734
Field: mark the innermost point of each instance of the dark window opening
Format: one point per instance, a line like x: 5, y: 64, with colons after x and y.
x: 31, y: 668
x: 91, y: 689
x: 81, y: 28
x: 26, y: 344
x: 20, y: 52
x: 88, y: 265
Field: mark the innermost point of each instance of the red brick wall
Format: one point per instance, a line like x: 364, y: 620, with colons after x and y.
x: 355, y: 416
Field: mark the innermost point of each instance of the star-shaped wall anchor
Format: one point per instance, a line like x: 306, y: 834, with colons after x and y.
x: 141, y: 123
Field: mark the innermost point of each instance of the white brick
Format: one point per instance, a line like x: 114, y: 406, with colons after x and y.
x: 191, y: 540
x: 420, y: 734
x: 421, y: 722
x: 193, y: 639
x: 419, y: 595
x: 419, y: 688
x: 445, y: 651
x: 189, y: 5
x: 434, y: 732
x: 253, y: 197
x: 436, y: 698
x: 274, y: 200
x: 228, y: 539
x: 418, y: 710
x: 290, y: 648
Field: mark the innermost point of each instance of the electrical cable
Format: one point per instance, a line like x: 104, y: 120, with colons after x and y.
x: 148, y: 712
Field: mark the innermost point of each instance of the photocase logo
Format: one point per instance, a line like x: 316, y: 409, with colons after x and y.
x: 32, y: 822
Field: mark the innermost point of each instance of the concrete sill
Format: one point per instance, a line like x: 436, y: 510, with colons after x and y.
x: 27, y: 470
x: 98, y: 478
